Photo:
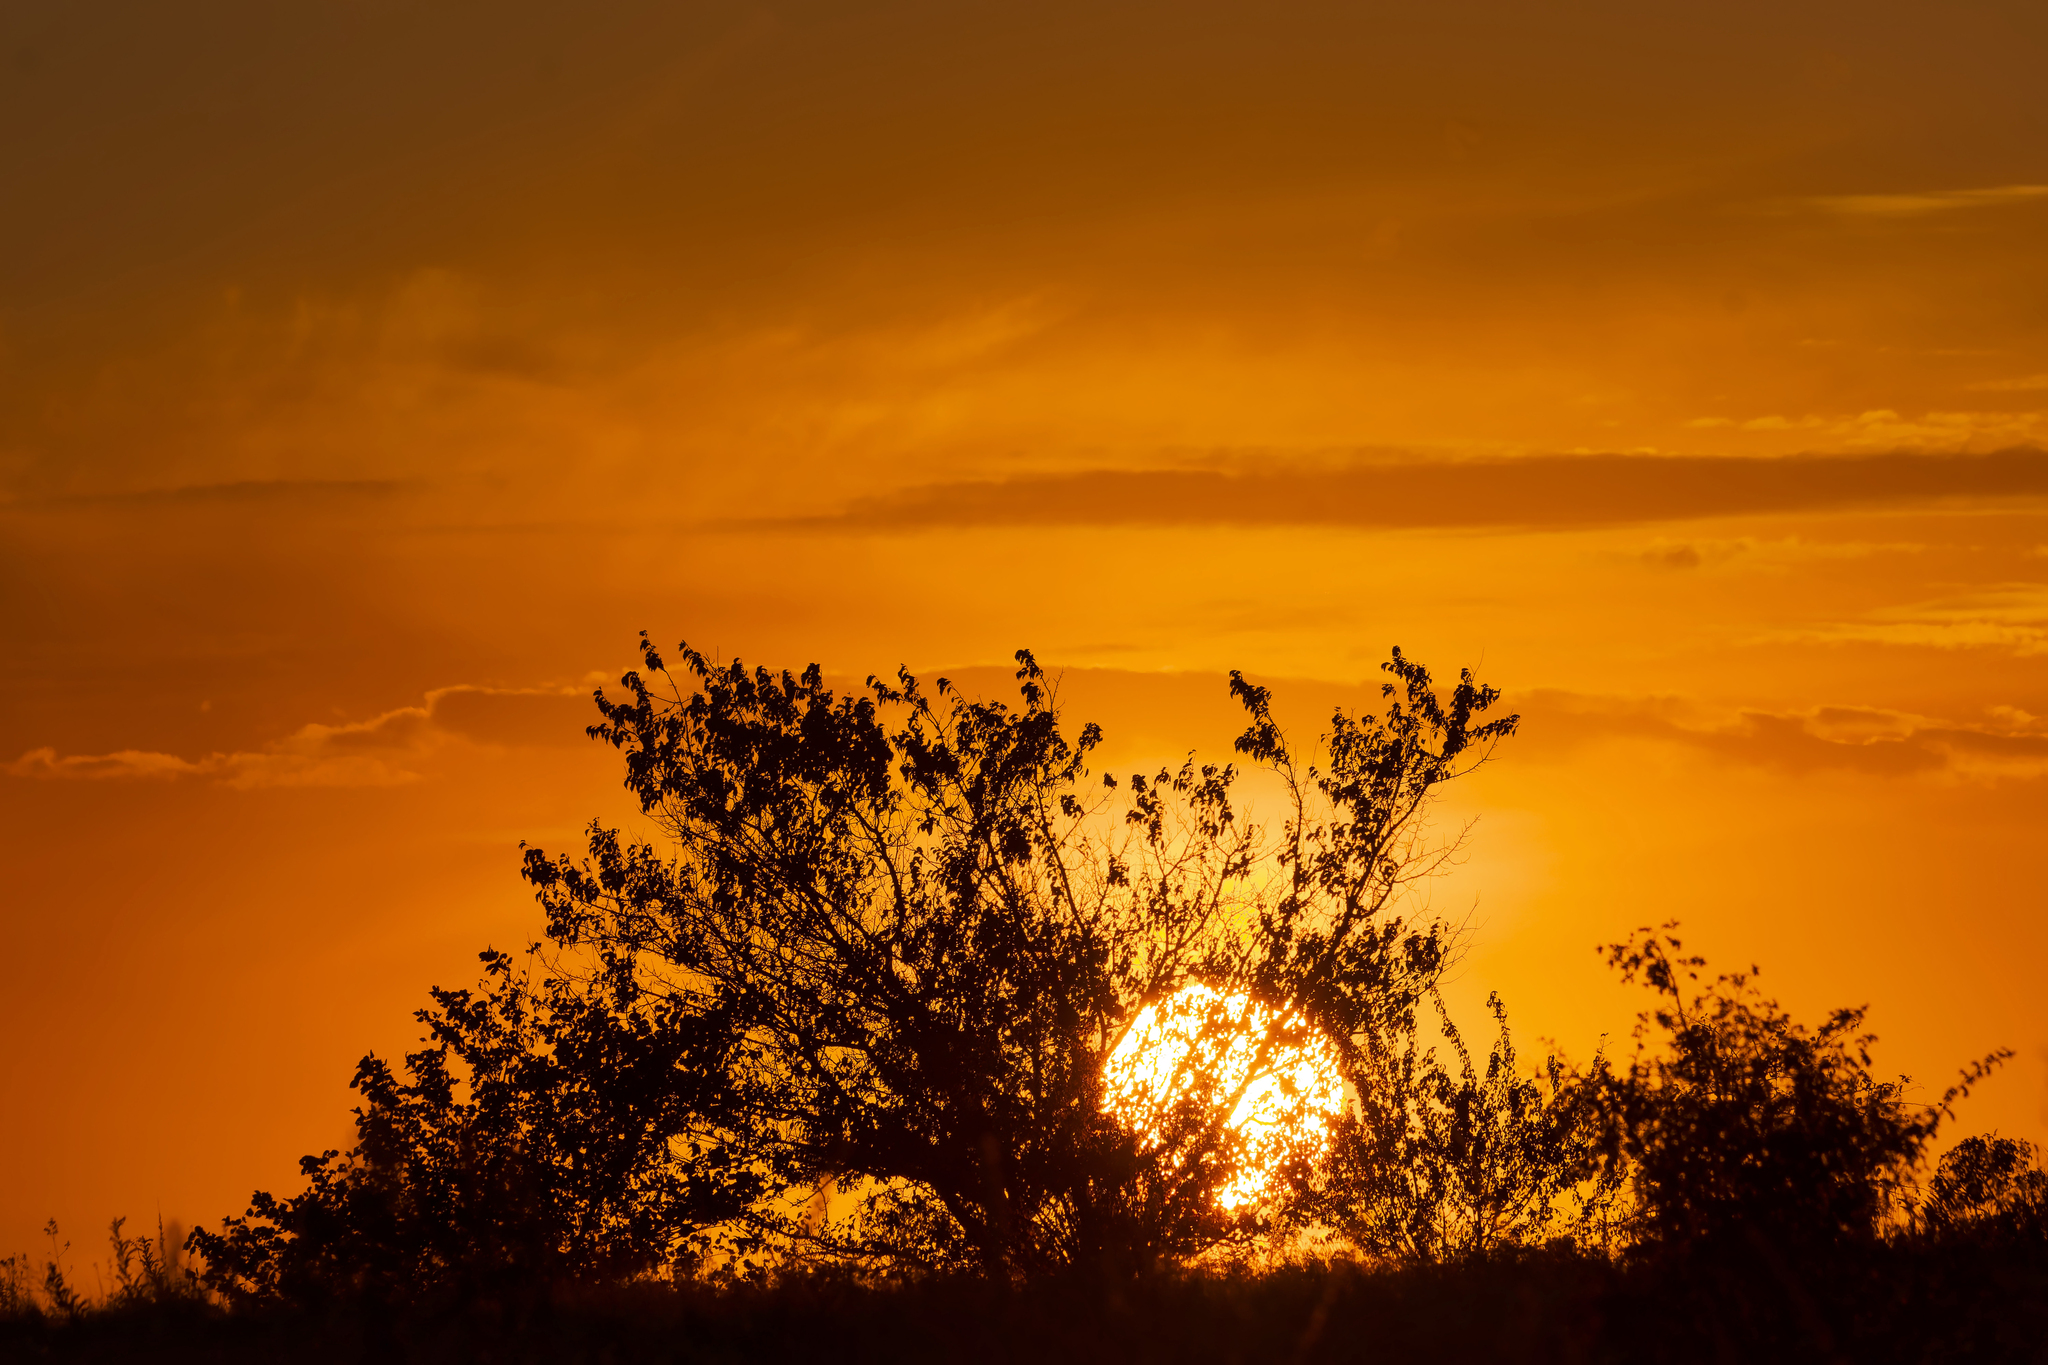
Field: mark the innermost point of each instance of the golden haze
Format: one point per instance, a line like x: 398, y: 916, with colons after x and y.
x: 370, y: 374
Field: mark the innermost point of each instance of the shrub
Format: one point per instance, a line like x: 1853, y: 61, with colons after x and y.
x: 1744, y: 1130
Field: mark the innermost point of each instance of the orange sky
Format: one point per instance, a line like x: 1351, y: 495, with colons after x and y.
x: 371, y: 373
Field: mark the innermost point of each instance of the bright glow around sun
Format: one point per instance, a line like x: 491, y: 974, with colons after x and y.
x: 1188, y: 1056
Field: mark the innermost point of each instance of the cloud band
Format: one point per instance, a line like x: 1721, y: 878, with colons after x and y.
x: 1553, y: 491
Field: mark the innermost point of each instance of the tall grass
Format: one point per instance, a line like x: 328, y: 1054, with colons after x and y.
x: 140, y: 1273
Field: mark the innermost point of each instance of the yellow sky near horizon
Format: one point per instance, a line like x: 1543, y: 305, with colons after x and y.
x: 371, y: 374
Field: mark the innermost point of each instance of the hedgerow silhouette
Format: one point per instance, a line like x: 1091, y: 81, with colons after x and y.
x: 850, y: 1021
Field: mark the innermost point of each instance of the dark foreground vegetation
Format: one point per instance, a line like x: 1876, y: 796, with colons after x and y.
x: 1908, y: 1303
x: 826, y: 1077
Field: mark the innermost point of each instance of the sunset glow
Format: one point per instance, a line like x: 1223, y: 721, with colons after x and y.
x: 372, y: 374
x: 1190, y: 1055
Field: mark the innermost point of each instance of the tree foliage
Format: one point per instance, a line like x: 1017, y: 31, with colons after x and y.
x: 885, y: 948
x: 936, y: 921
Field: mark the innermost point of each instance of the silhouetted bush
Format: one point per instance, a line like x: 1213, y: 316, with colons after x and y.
x: 1988, y: 1189
x: 1437, y: 1166
x: 536, y: 1143
x: 1743, y: 1130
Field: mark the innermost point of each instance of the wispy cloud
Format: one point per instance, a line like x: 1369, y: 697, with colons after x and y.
x: 1542, y: 491
x: 1923, y: 202
x: 2026, y: 383
x: 385, y: 750
x: 1881, y: 743
x: 1882, y: 429
x: 1768, y: 422
x: 2011, y: 617
x: 247, y: 493
x: 1697, y: 552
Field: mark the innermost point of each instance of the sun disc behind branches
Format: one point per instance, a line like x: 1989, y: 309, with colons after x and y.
x: 1200, y: 1052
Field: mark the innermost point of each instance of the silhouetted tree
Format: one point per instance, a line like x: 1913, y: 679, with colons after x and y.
x: 1743, y: 1130
x: 935, y: 927
x: 893, y: 940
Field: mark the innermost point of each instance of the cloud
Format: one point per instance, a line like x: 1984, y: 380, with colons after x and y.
x: 46, y: 762
x: 1770, y: 422
x: 1925, y: 202
x: 1537, y: 492
x: 242, y: 492
x: 1697, y: 552
x: 1883, y: 430
x: 2029, y: 383
x: 1874, y: 742
x: 1682, y: 555
x: 2005, y: 616
x: 384, y: 751
x: 259, y: 769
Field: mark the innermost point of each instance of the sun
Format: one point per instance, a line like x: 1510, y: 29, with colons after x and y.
x: 1201, y: 1049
